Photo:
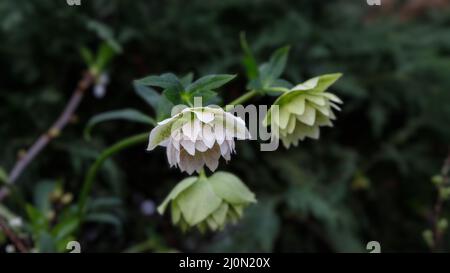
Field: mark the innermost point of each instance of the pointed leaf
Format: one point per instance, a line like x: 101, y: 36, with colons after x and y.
x: 164, y: 81
x: 274, y: 68
x: 180, y: 187
x: 148, y: 94
x: 230, y: 187
x: 249, y: 61
x: 209, y: 82
x: 125, y: 114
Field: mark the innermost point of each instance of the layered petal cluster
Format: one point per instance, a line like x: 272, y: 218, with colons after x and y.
x: 302, y: 110
x: 199, y: 136
x: 208, y: 203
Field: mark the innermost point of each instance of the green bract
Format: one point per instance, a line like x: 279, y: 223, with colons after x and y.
x: 208, y: 203
x: 303, y: 109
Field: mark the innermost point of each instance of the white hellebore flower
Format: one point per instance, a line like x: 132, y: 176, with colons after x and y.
x: 198, y: 136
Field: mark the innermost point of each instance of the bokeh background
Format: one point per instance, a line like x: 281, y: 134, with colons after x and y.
x: 368, y: 178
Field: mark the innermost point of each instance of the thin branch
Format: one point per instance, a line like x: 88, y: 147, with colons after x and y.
x: 437, y: 232
x: 85, y: 82
x: 12, y: 236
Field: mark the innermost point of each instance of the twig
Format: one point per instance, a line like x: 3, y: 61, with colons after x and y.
x: 85, y: 82
x: 437, y: 232
x: 12, y: 236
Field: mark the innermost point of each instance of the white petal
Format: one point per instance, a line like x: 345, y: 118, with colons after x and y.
x: 219, y: 132
x: 237, y: 125
x: 200, y: 146
x: 227, y: 155
x: 191, y: 129
x: 189, y: 146
x: 224, y: 148
x: 210, y: 161
x: 208, y: 136
x: 231, y: 145
x: 164, y: 143
x: 170, y: 154
x: 204, y: 116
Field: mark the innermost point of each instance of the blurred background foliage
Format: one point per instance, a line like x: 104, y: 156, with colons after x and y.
x: 366, y: 179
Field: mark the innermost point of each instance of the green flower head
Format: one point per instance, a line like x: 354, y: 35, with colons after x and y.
x: 303, y: 109
x: 208, y: 203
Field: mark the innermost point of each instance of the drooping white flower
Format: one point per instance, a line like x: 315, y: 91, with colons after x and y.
x: 198, y: 136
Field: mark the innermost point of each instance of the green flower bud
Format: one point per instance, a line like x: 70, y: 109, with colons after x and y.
x: 428, y: 237
x: 437, y: 180
x: 444, y: 193
x: 442, y: 224
x: 208, y: 203
x: 303, y: 110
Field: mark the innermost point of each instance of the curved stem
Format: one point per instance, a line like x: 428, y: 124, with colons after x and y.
x: 95, y: 167
x: 241, y: 99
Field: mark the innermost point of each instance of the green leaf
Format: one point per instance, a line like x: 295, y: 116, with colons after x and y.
x: 148, y: 94
x: 87, y: 56
x: 41, y: 195
x: 198, y: 201
x: 37, y: 219
x: 158, y: 102
x: 3, y: 176
x: 173, y: 95
x: 164, y: 109
x: 274, y: 68
x: 180, y: 187
x: 104, y: 56
x: 104, y: 218
x: 209, y: 82
x: 65, y: 228
x: 164, y: 81
x: 105, y: 33
x: 230, y: 188
x: 187, y: 79
x: 249, y: 61
x: 46, y: 243
x: 104, y: 203
x: 125, y: 114
x: 206, y: 95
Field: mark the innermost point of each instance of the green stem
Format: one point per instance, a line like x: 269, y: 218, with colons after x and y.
x: 202, y: 173
x: 241, y: 99
x: 95, y: 167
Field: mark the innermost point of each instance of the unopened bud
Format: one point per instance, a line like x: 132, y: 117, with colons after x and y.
x: 442, y: 224
x: 53, y: 132
x: 67, y: 198
x: 428, y: 237
x: 437, y: 180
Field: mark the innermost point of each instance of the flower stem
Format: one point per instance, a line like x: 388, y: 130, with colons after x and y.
x: 95, y: 167
x: 202, y: 173
x: 245, y: 97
